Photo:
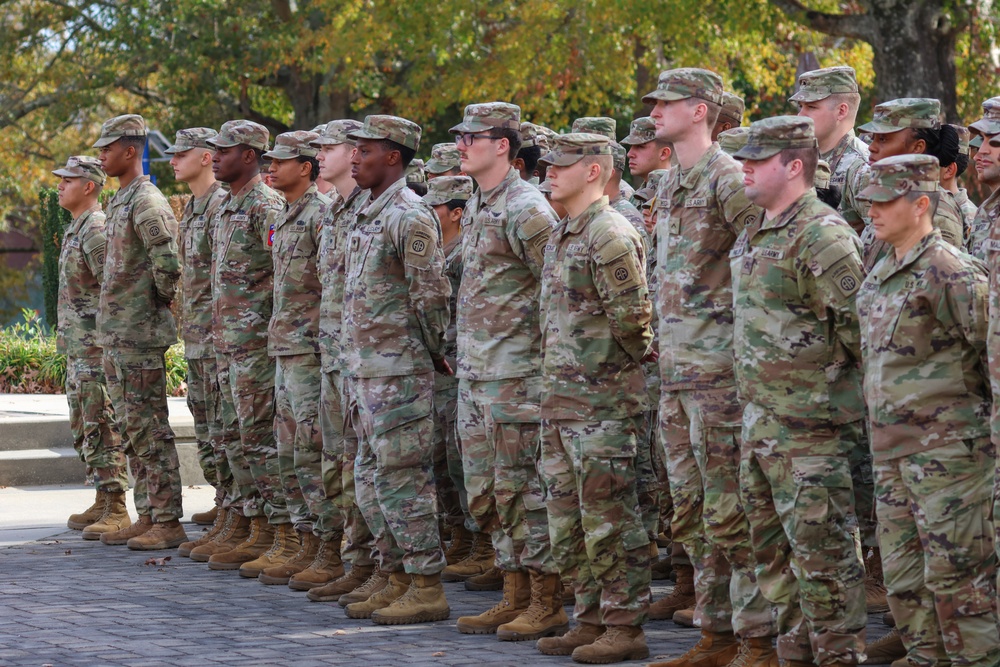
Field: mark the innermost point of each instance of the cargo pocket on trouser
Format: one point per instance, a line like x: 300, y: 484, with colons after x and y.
x: 517, y: 438
x: 607, y: 486
x: 822, y: 544
x: 401, y: 436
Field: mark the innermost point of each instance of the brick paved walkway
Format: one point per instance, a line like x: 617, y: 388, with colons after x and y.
x: 66, y: 602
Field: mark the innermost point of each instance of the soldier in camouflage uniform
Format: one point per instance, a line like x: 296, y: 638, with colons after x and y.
x: 616, y: 197
x: 91, y: 416
x: 607, y: 127
x: 534, y: 142
x: 444, y: 161
x: 416, y: 179
x: 448, y: 196
x: 293, y: 340
x: 732, y: 140
x: 136, y: 327
x: 340, y: 444
x: 191, y: 160
x: 987, y: 163
x: 504, y: 231
x: 950, y: 174
x: 595, y: 331
x: 701, y: 208
x: 924, y: 320
x: 394, y: 321
x: 242, y: 302
x: 646, y: 153
x: 730, y: 116
x: 795, y: 273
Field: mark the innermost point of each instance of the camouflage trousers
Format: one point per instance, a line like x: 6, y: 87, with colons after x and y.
x: 251, y: 381
x: 862, y: 480
x: 936, y: 534
x: 226, y: 431
x: 449, y: 476
x: 137, y: 384
x: 340, y: 447
x: 700, y: 434
x: 499, y: 428
x: 204, y: 403
x: 394, y: 421
x: 796, y: 480
x: 651, y: 475
x: 595, y: 523
x: 297, y: 428
x: 92, y: 422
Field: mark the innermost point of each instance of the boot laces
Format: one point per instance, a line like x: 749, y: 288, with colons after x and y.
x: 743, y: 656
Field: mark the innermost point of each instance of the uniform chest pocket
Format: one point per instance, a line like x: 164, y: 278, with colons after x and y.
x: 358, y: 248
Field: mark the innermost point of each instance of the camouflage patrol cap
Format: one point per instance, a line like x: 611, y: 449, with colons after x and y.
x: 290, y: 145
x: 392, y: 128
x: 415, y: 171
x: 653, y: 178
x: 893, y: 177
x: 444, y: 157
x: 335, y: 132
x: 819, y: 84
x: 989, y: 124
x: 963, y: 138
x: 896, y: 115
x: 732, y: 108
x: 192, y: 137
x: 530, y: 136
x: 83, y: 166
x: 596, y: 125
x: 241, y: 133
x: 770, y: 136
x: 821, y: 179
x: 619, y: 155
x: 733, y: 140
x: 568, y: 149
x: 488, y: 116
x: 976, y: 141
x: 640, y: 131
x: 685, y: 82
x: 446, y: 188
x: 113, y: 129
x: 545, y: 187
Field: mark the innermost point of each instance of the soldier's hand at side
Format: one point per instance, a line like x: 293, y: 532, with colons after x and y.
x: 651, y: 356
x: 442, y: 366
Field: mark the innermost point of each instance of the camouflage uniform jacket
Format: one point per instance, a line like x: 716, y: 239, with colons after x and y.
x: 850, y: 152
x: 947, y: 218
x: 596, y: 315
x: 140, y: 270
x: 699, y: 214
x: 504, y: 232
x: 294, y: 327
x: 797, y: 338
x: 968, y: 210
x: 243, y: 284
x: 853, y: 209
x: 332, y: 264
x: 396, y: 294
x: 81, y: 268
x: 923, y: 329
x: 196, y: 244
x: 632, y: 214
x: 453, y: 270
x: 982, y: 227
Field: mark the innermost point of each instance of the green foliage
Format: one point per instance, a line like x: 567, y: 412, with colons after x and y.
x: 54, y: 221
x: 29, y: 363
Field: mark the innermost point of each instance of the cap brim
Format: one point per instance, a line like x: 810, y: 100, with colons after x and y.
x: 362, y: 134
x: 470, y: 126
x: 632, y: 140
x: 808, y: 96
x: 105, y: 141
x: 327, y: 141
x: 67, y: 173
x: 986, y: 126
x: 976, y: 141
x: 173, y: 150
x: 221, y: 143
x: 880, y: 193
x: 282, y: 155
x: 879, y: 127
x: 645, y: 194
x: 665, y: 95
x: 756, y: 152
x: 434, y: 200
x: 560, y: 159
x: 435, y: 167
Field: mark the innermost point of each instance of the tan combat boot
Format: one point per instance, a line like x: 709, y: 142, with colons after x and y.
x: 220, y: 522
x: 682, y: 597
x: 875, y: 592
x: 712, y: 650
x: 325, y: 567
x: 618, y: 643
x: 375, y: 582
x: 397, y: 584
x: 461, y: 545
x: 163, y: 535
x: 685, y: 618
x: 343, y: 585
x: 113, y: 520
x: 490, y: 580
x: 579, y: 635
x: 89, y: 515
x: 756, y: 652
x: 258, y: 541
x: 278, y: 575
x: 283, y: 549
x: 885, y: 650
x: 480, y: 559
x: 423, y: 602
x: 205, y: 518
x: 234, y: 531
x: 544, y: 616
x: 516, y: 599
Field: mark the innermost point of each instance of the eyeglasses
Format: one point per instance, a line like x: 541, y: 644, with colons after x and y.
x: 467, y: 139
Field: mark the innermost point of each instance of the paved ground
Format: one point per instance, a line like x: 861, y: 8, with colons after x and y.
x: 66, y: 602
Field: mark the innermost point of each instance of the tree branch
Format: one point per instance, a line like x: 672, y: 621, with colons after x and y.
x: 855, y: 26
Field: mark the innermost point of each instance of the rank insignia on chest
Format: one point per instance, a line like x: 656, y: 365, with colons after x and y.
x: 748, y: 263
x: 878, y: 311
x: 270, y: 236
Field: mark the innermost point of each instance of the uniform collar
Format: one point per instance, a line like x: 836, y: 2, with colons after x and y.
x: 689, y: 179
x: 373, y: 209
x: 577, y: 224
x: 892, y: 266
